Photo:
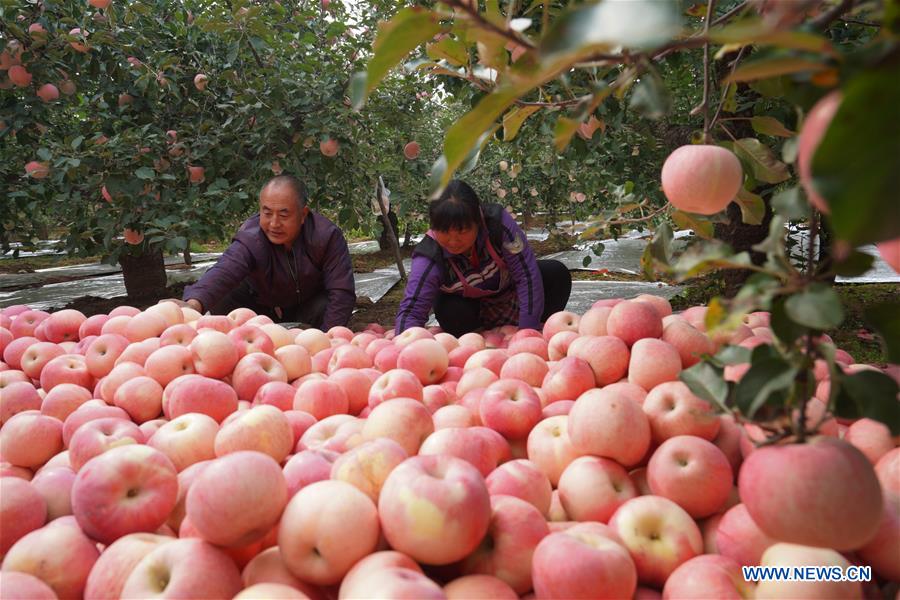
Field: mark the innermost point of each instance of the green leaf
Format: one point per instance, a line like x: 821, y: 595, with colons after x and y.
x: 711, y: 256
x: 782, y: 326
x: 145, y: 173
x: 44, y: 154
x: 76, y: 143
x: 885, y: 319
x: 449, y: 49
x: 513, y: 120
x: 408, y: 29
x: 770, y: 126
x: 790, y: 204
x: 817, y: 307
x: 357, y: 89
x: 708, y: 383
x: 766, y: 382
x: 465, y: 133
x: 773, y: 67
x: 758, y: 34
x: 650, y: 97
x: 856, y: 166
x: 471, y: 161
x: 729, y: 103
x: 563, y: 132
x: 753, y: 207
x: 869, y: 394
x: 702, y: 227
x: 658, y: 253
x: 733, y: 355
x: 854, y: 265
x: 892, y: 17
x: 762, y: 162
x: 612, y: 23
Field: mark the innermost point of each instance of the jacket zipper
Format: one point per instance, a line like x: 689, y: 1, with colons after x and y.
x: 292, y: 267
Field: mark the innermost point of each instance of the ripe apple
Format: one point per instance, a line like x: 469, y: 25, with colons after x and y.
x: 196, y: 393
x: 580, y: 561
x: 23, y: 585
x: 28, y: 439
x: 604, y: 422
x: 367, y: 466
x: 550, y: 448
x: 701, y: 178
x: 814, y: 483
x: 673, y: 410
x: 214, y: 354
x: 326, y: 528
x: 100, y: 435
x: 436, y: 509
x: 691, y: 472
x: 116, y: 563
x: 60, y: 555
x: 184, y: 568
x: 22, y: 509
x: 522, y: 479
x: 237, y: 498
x: 516, y: 527
x: 658, y: 534
x: 593, y: 488
x: 510, y: 407
x: 263, y: 428
x: 125, y: 490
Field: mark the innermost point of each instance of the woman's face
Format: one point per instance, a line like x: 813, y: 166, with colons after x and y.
x: 457, y: 241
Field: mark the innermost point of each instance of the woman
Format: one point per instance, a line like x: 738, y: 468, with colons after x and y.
x: 476, y: 269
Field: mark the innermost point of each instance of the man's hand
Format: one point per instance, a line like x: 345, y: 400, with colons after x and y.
x: 192, y: 303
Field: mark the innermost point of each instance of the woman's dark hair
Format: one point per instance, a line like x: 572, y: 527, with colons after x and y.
x: 457, y: 207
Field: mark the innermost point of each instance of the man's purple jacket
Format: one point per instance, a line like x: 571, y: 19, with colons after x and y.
x: 322, y: 263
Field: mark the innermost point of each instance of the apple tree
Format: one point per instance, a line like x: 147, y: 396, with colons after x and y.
x: 166, y: 118
x: 744, y: 76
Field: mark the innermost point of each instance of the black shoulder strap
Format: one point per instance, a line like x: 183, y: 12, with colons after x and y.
x: 429, y: 248
x: 493, y: 218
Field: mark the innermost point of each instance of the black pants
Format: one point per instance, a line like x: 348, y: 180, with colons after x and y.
x: 458, y: 315
x: 311, y: 312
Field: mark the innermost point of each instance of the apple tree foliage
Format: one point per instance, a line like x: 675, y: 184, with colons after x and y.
x: 129, y: 119
x: 572, y: 77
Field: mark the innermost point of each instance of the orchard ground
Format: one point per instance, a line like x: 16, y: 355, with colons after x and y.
x: 853, y: 335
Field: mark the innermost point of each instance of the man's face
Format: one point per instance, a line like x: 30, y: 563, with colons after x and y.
x: 279, y: 216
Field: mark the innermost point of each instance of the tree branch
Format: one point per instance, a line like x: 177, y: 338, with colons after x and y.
x: 472, y: 11
x: 727, y: 88
x: 704, y: 104
x: 825, y: 19
x: 642, y: 219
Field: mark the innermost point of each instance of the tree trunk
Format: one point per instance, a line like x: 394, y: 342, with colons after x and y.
x: 145, y: 275
x: 384, y: 240
x: 742, y: 237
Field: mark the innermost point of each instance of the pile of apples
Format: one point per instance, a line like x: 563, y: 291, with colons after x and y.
x: 164, y: 453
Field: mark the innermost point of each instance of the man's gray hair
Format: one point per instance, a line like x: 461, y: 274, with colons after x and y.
x: 297, y: 186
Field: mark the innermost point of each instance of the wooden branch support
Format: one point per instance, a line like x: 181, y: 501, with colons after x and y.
x: 388, y: 228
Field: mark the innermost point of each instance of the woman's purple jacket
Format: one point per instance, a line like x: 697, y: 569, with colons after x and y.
x: 427, y: 276
x: 322, y: 263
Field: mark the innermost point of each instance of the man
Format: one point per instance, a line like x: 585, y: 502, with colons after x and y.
x: 286, y: 262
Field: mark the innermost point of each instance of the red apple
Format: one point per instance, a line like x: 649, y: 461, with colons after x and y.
x: 125, y: 490
x: 436, y: 509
